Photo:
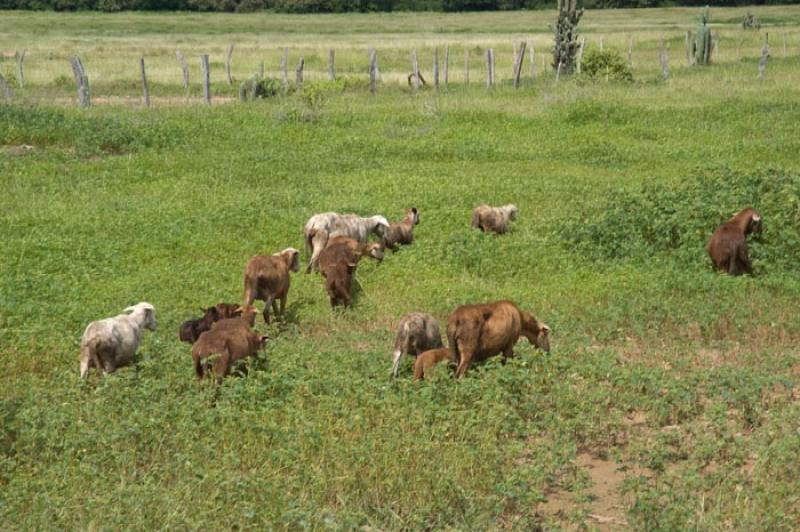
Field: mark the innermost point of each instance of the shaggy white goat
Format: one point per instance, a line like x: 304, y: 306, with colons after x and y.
x: 111, y: 343
x: 417, y: 332
x: 493, y: 219
x: 322, y: 227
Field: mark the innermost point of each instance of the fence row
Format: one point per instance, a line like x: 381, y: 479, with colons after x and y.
x: 441, y: 66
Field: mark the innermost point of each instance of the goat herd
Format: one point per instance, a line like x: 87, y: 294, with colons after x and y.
x: 335, y: 244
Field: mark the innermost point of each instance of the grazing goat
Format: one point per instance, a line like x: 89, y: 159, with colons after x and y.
x: 477, y: 332
x: 493, y: 219
x: 728, y: 245
x: 191, y: 330
x: 322, y: 227
x: 338, y: 263
x: 266, y: 278
x: 232, y: 339
x: 402, y: 232
x: 417, y: 332
x: 429, y: 359
x: 111, y: 343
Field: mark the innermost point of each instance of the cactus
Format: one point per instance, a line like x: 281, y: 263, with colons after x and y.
x: 566, y: 38
x: 703, y: 46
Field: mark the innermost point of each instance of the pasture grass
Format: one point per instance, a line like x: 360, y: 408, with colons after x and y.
x: 686, y: 380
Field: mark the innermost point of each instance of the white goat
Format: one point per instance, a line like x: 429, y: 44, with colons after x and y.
x: 322, y: 227
x: 493, y: 219
x: 111, y: 343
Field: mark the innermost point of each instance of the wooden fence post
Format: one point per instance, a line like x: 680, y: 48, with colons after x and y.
x: 489, y: 68
x: 20, y: 57
x: 261, y: 69
x: 601, y: 44
x: 762, y: 63
x: 436, y: 68
x: 446, y: 64
x: 6, y: 88
x: 145, y: 90
x: 414, y: 70
x: 373, y: 70
x: 466, y: 67
x: 206, y: 73
x: 284, y: 67
x: 783, y: 35
x: 82, y: 81
x: 299, y: 74
x: 518, y: 63
x: 228, y: 64
x: 558, y: 72
x: 331, y: 65
x: 533, y: 62
x: 580, y: 53
x: 687, y: 48
x: 184, y: 68
x: 630, y: 52
x: 663, y: 59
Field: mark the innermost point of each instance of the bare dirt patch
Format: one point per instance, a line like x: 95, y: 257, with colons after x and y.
x: 606, y: 506
x: 17, y: 151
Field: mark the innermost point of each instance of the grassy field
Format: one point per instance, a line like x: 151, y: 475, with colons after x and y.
x: 671, y: 398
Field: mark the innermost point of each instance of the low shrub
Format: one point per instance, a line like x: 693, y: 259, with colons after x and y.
x: 605, y: 64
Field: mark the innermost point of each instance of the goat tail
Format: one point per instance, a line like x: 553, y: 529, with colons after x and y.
x: 309, y: 237
x: 452, y: 339
x: 89, y: 356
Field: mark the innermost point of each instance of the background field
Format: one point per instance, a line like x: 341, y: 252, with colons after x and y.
x: 670, y: 400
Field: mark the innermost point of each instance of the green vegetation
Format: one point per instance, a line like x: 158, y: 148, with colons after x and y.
x: 605, y: 65
x: 687, y: 381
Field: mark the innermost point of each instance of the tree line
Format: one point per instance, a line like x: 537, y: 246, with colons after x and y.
x: 344, y: 6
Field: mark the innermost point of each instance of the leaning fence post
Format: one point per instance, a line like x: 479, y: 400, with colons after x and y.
x: 206, y: 73
x: 580, y: 54
x: 436, y: 68
x: 299, y: 74
x: 518, y: 63
x: 331, y: 65
x: 228, y: 64
x: 145, y: 90
x: 6, y: 88
x: 284, y: 67
x: 20, y: 57
x: 373, y: 69
x: 558, y: 72
x: 466, y: 67
x: 82, y: 81
x: 414, y: 70
x: 184, y: 68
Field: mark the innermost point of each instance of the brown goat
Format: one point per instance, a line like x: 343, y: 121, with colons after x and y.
x: 477, y: 332
x: 728, y: 245
x: 429, y: 359
x: 231, y: 338
x: 494, y: 219
x: 266, y: 278
x: 191, y: 330
x: 338, y: 263
x: 402, y: 232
